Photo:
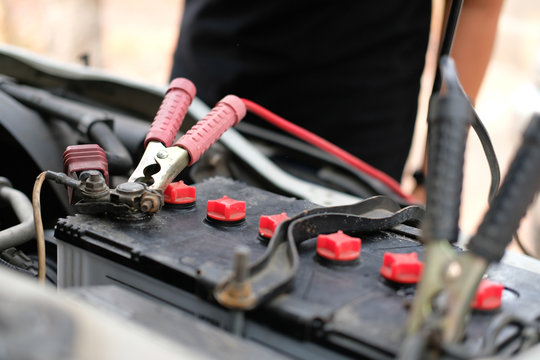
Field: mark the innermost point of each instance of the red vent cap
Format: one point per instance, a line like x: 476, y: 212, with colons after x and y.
x: 402, y: 268
x: 339, y: 247
x: 488, y: 296
x: 226, y: 209
x: 269, y: 223
x: 179, y: 193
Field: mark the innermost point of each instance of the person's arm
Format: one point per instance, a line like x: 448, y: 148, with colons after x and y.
x: 473, y: 42
x: 471, y: 50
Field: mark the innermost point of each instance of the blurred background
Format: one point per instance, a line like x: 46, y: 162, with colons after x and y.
x: 136, y: 40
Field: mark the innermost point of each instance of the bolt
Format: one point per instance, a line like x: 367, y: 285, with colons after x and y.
x: 241, y: 289
x: 94, y: 187
x: 453, y: 271
x: 238, y: 294
x: 150, y: 203
x: 130, y: 188
x: 86, y: 174
x: 94, y: 181
x: 241, y: 257
x: 162, y: 154
x: 146, y: 205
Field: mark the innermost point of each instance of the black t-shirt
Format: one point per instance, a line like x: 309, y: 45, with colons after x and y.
x: 347, y: 70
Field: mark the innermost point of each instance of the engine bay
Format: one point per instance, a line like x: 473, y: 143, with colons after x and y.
x: 266, y: 247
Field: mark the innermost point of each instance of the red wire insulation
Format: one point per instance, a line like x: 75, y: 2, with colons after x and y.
x: 327, y: 146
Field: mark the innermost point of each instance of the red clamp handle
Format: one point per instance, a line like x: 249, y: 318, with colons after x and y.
x: 171, y: 112
x: 227, y: 113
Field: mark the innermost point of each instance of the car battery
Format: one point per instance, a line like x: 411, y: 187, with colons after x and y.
x: 332, y: 310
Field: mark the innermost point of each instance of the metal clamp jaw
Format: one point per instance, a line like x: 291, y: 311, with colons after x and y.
x: 159, y: 165
x: 445, y: 293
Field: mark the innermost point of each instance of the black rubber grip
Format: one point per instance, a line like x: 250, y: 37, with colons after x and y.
x: 515, y: 195
x: 449, y: 122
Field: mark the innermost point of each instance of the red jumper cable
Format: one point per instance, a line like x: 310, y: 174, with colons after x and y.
x: 327, y: 146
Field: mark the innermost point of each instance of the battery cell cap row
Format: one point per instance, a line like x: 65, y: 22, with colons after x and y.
x: 404, y: 268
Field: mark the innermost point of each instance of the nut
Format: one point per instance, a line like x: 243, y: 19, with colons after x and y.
x: 150, y: 203
x: 94, y: 186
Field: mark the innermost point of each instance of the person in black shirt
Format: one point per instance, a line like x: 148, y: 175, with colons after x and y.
x: 348, y: 71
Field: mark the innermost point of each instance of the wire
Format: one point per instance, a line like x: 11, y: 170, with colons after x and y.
x: 60, y: 178
x: 38, y: 223
x: 487, y: 146
x: 522, y: 247
x: 451, y: 79
x: 448, y: 39
x: 327, y: 146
